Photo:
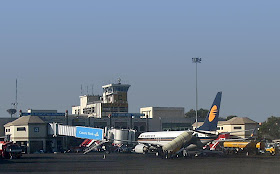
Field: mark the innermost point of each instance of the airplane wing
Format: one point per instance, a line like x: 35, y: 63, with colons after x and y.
x: 225, y: 140
x: 205, y: 132
x: 122, y: 140
x: 236, y: 139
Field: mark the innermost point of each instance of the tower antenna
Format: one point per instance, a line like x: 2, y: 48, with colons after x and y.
x: 16, y: 103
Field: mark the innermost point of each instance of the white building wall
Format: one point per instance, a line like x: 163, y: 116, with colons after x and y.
x: 16, y: 134
x: 83, y: 103
x: 76, y: 110
x: 88, y: 102
x: 147, y: 111
x: 232, y: 128
x: 98, y: 110
x: 11, y: 132
x: 163, y: 112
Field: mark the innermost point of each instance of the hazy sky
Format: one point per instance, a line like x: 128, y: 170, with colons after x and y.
x: 52, y: 47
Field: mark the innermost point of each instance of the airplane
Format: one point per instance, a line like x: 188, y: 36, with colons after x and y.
x: 170, y: 143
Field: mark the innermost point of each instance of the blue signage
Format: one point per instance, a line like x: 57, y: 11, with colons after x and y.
x: 43, y: 114
x: 136, y: 115
x: 89, y: 133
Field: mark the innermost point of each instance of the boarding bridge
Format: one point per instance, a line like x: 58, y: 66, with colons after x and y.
x: 56, y: 129
x: 116, y: 136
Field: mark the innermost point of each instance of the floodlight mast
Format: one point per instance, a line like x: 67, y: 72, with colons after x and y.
x: 196, y: 60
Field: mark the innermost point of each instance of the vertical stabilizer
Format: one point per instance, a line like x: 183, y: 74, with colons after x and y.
x: 211, y: 121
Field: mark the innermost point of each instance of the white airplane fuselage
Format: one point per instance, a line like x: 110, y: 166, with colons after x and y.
x: 158, y: 138
x: 164, y: 137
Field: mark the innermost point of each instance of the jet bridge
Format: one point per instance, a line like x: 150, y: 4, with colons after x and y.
x: 116, y: 137
x: 56, y: 129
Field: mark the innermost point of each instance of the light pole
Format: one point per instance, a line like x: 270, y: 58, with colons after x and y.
x: 196, y: 60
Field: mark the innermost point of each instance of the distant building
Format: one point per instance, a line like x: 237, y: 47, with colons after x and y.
x: 241, y: 127
x: 48, y: 116
x: 113, y: 100
x: 167, y: 118
x: 30, y: 132
x: 161, y: 118
x: 4, y: 121
x: 163, y: 112
x: 107, y: 110
x: 116, y: 120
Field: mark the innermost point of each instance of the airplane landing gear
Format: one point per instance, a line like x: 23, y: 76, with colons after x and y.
x: 165, y: 155
x: 185, y: 153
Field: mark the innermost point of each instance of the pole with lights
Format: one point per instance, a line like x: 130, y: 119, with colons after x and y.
x: 196, y: 60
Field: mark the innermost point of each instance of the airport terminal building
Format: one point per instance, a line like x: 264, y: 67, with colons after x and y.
x: 98, y: 111
x: 109, y: 110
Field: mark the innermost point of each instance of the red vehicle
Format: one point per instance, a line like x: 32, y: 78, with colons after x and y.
x: 10, y: 150
x: 215, y: 145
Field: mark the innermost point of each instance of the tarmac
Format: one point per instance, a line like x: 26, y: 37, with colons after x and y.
x: 138, y: 163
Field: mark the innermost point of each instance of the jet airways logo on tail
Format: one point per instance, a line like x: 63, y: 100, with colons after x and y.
x: 213, y: 113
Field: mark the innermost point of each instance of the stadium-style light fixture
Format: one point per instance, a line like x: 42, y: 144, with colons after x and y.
x: 196, y: 60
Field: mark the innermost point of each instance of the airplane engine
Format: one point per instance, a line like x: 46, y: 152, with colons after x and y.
x: 177, y: 143
x: 140, y: 148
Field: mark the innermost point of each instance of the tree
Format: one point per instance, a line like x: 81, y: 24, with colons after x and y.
x: 270, y: 129
x: 230, y: 117
x: 201, y: 113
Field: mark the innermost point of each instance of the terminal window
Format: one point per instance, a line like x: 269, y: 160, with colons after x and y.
x: 21, y: 129
x: 36, y: 129
x: 239, y: 127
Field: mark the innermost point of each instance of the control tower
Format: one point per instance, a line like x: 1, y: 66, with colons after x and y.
x: 113, y: 100
x: 115, y: 93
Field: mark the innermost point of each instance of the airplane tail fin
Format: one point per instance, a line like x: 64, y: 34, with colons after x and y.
x: 252, y: 134
x: 211, y: 121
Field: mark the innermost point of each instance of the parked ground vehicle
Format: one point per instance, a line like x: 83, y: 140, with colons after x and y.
x: 271, y: 148
x: 10, y: 150
x: 235, y: 147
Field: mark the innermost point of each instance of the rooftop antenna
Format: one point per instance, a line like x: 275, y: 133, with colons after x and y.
x: 87, y: 90
x: 92, y: 89
x: 81, y: 90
